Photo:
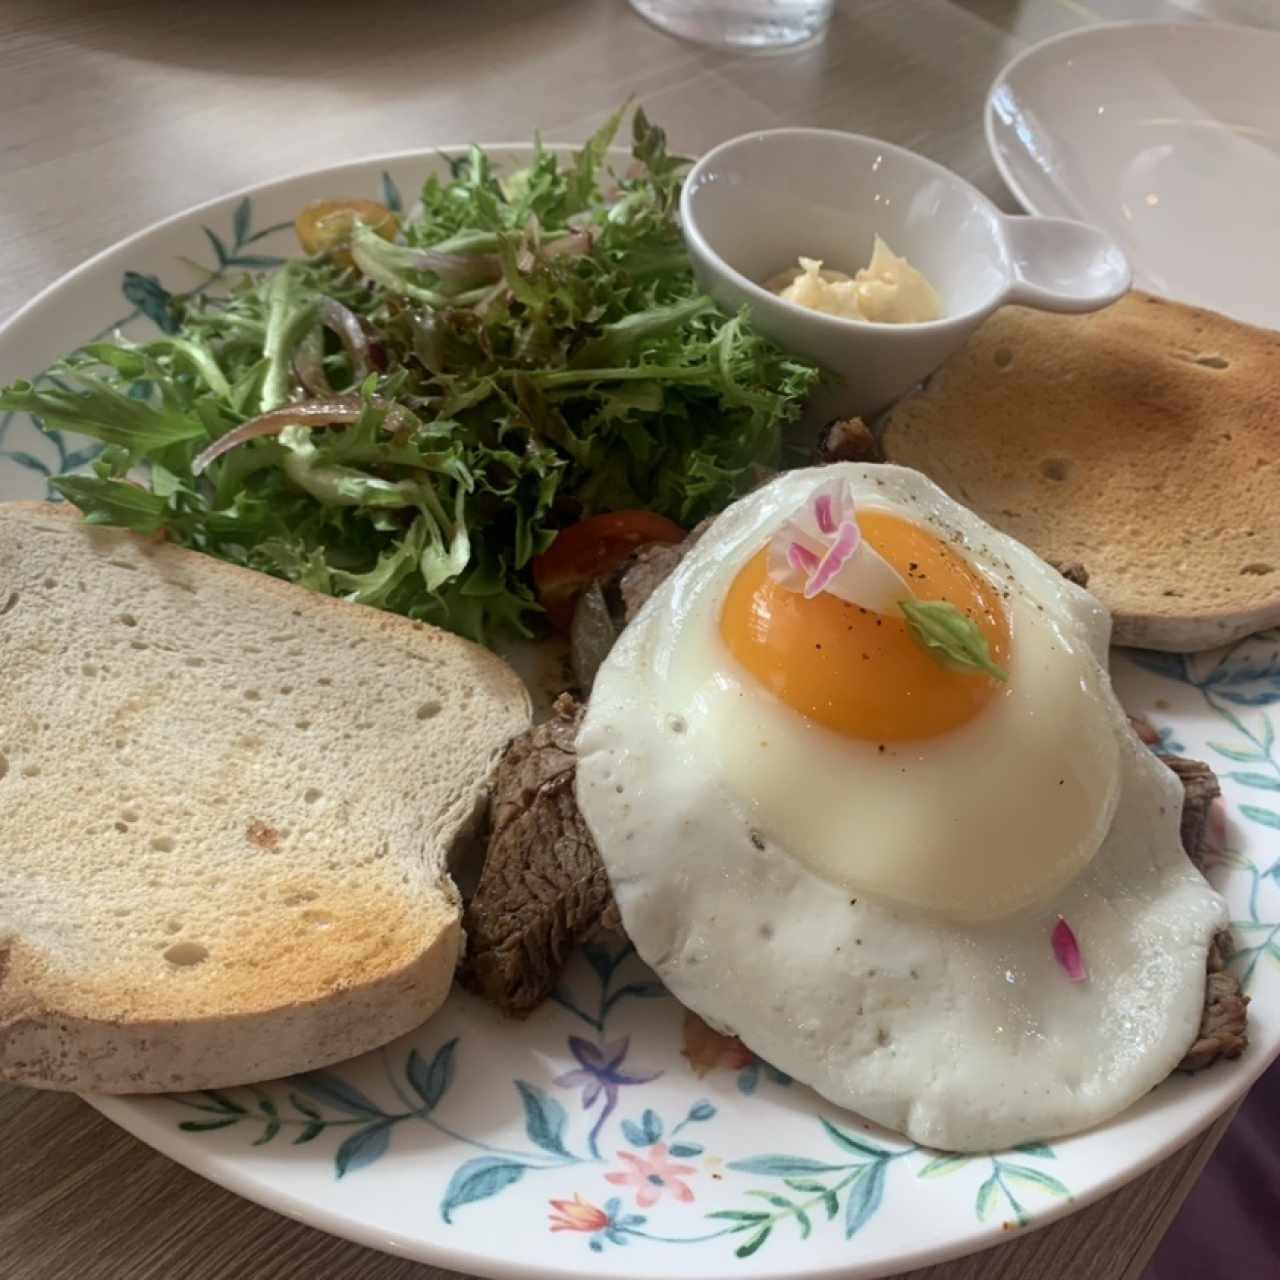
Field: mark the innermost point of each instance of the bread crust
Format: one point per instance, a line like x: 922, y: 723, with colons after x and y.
x: 45, y: 1047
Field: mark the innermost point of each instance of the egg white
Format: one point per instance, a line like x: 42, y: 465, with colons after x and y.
x: 991, y: 817
x: 964, y: 1036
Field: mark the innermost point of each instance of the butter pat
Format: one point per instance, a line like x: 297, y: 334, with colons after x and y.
x: 888, y: 290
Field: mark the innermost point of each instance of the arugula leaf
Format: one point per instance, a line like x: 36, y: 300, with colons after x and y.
x: 290, y: 314
x: 138, y: 362
x: 100, y: 411
x: 289, y: 558
x: 582, y: 183
x: 649, y: 146
x: 114, y: 502
x: 340, y: 486
x: 394, y: 565
x: 391, y: 266
x: 618, y: 340
x: 522, y: 289
x: 951, y: 637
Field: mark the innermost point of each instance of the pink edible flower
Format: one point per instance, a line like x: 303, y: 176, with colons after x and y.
x: 822, y: 510
x: 845, y: 544
x: 820, y: 548
x: 801, y: 559
x: 1066, y: 950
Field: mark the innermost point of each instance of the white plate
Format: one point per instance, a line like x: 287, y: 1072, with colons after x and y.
x: 597, y: 1138
x: 1165, y: 135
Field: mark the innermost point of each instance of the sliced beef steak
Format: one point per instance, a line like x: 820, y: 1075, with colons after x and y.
x: 648, y: 568
x: 609, y: 603
x: 1200, y: 788
x: 1223, y: 1024
x: 1073, y: 571
x: 645, y: 570
x: 847, y: 440
x: 543, y: 889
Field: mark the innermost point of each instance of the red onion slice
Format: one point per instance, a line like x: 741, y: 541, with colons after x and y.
x: 577, y: 245
x: 346, y: 324
x: 457, y: 268
x: 308, y: 365
x: 306, y: 413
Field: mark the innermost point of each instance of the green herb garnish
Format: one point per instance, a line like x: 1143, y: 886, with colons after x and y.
x: 951, y: 637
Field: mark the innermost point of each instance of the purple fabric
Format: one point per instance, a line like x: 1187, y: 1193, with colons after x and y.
x: 1229, y: 1226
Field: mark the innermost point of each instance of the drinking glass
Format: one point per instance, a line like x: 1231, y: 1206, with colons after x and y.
x: 744, y: 24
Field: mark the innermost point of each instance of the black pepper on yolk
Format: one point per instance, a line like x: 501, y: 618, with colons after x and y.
x: 859, y: 673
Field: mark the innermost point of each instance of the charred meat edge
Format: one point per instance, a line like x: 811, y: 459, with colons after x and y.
x: 1224, y: 1021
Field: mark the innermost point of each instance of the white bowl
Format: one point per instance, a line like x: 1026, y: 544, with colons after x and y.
x: 1168, y: 136
x: 752, y: 205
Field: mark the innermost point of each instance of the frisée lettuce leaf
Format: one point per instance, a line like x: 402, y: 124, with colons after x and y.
x: 530, y: 350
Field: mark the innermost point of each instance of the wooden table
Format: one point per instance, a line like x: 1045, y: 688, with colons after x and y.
x: 114, y: 113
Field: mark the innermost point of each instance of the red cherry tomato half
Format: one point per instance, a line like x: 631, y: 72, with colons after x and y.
x: 591, y: 549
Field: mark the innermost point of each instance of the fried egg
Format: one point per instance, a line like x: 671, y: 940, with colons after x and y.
x: 853, y: 855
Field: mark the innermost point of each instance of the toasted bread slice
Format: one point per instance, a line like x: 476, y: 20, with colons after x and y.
x: 226, y: 805
x: 1140, y: 441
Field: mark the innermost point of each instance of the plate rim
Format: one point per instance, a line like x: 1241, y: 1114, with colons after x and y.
x: 467, y: 1264
x: 225, y: 1173
x: 251, y: 189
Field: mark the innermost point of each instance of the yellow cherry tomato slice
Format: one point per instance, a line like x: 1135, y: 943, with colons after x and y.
x: 324, y: 226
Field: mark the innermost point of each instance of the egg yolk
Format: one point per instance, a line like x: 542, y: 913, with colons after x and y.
x: 860, y: 673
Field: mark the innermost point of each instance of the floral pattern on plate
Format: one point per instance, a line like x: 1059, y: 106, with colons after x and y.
x: 591, y: 1118
x: 1239, y: 685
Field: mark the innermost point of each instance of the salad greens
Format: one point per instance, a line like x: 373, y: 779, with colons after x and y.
x: 531, y: 349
